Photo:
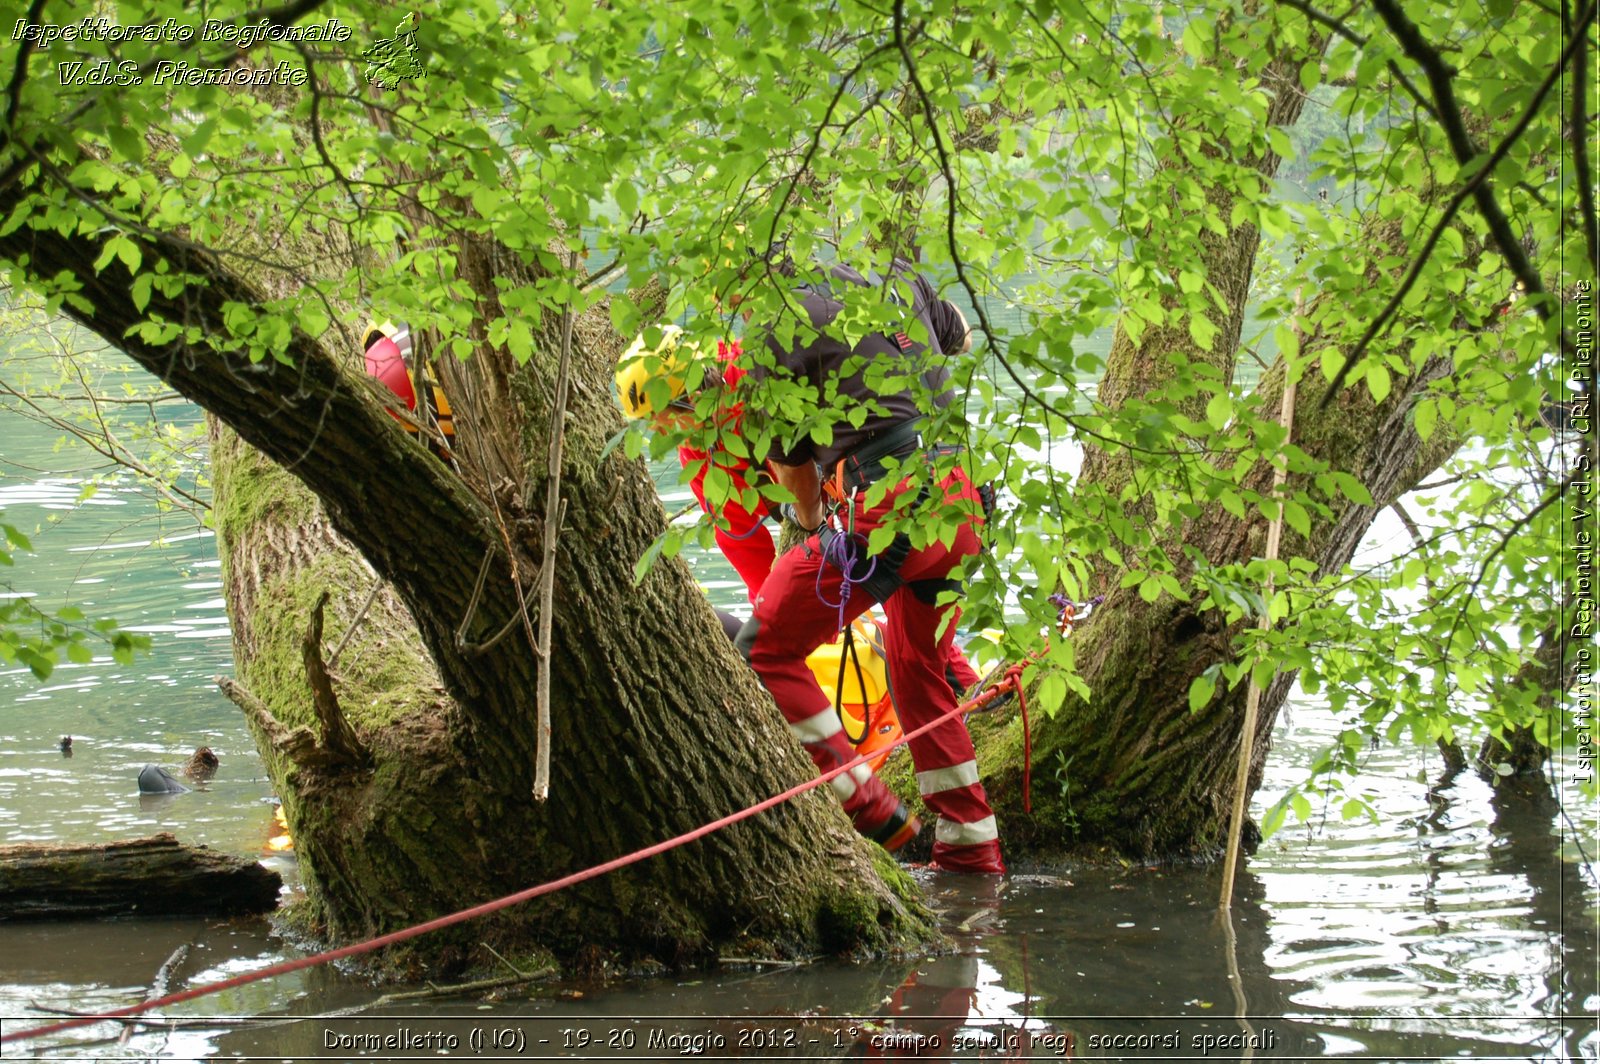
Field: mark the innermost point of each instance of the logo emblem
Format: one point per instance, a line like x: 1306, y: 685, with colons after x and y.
x: 393, y: 60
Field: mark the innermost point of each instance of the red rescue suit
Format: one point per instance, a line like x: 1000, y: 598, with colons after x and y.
x: 796, y: 610
x: 742, y: 536
x: 804, y: 601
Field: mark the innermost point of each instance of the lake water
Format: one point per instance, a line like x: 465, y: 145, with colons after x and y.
x: 1450, y: 929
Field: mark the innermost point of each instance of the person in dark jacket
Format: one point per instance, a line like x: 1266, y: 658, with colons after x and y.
x: 879, y: 389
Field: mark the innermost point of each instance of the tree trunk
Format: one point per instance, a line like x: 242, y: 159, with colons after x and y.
x: 658, y: 728
x: 155, y: 876
x: 1515, y: 762
x: 1133, y: 768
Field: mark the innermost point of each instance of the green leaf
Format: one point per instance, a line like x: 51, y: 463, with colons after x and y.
x: 1201, y: 689
x: 878, y: 540
x: 1273, y: 819
x: 39, y: 664
x: 126, y: 142
x: 1279, y: 142
x: 642, y: 566
x: 627, y: 197
x: 1278, y: 608
x: 313, y: 320
x: 1426, y: 416
x: 1052, y: 692
x: 1378, y: 382
x: 1295, y: 516
x: 1218, y: 410
x: 1355, y: 808
x: 1352, y: 488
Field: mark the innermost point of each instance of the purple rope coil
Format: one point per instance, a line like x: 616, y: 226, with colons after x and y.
x: 840, y: 551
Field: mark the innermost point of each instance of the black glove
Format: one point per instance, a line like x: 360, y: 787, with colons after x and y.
x: 986, y: 497
x: 787, y: 511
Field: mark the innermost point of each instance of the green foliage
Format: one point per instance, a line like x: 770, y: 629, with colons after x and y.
x: 52, y: 375
x: 41, y: 639
x: 1060, y: 173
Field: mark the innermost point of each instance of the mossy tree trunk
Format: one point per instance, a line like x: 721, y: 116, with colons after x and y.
x: 1141, y: 772
x: 657, y: 726
x: 1133, y: 769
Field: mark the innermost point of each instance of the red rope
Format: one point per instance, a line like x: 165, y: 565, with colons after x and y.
x: 404, y: 934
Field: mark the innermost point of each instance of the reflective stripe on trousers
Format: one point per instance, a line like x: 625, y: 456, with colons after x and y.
x: 793, y: 616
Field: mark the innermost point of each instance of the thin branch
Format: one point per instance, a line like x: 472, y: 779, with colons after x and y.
x: 19, y: 72
x: 811, y: 149
x: 1247, y: 738
x: 1584, y: 77
x: 555, y: 512
x: 315, y: 121
x: 604, y: 275
x: 463, y: 644
x: 1441, y: 79
x: 110, y: 448
x: 1461, y: 143
x: 1551, y: 498
x: 361, y: 615
x: 338, y: 737
x: 1340, y: 27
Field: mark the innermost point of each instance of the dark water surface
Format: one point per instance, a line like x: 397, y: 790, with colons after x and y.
x: 1452, y: 928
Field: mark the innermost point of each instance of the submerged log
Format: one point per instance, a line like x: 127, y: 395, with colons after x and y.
x: 155, y: 876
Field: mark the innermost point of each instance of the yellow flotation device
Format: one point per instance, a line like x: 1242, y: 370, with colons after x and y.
x: 863, y: 700
x: 282, y: 842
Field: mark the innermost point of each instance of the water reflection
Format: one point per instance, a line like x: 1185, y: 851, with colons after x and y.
x: 1114, y: 965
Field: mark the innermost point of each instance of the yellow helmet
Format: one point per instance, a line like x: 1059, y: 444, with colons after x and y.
x: 653, y: 377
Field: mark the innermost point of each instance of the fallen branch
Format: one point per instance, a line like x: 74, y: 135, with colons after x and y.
x: 155, y: 876
x: 1252, y: 703
x: 361, y: 615
x: 555, y: 512
x: 158, y: 985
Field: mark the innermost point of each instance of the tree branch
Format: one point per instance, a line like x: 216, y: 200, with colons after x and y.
x: 337, y: 736
x: 1510, y: 248
x: 19, y: 72
x: 1583, y: 77
x: 1343, y: 29
x: 555, y: 511
x: 1441, y: 80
